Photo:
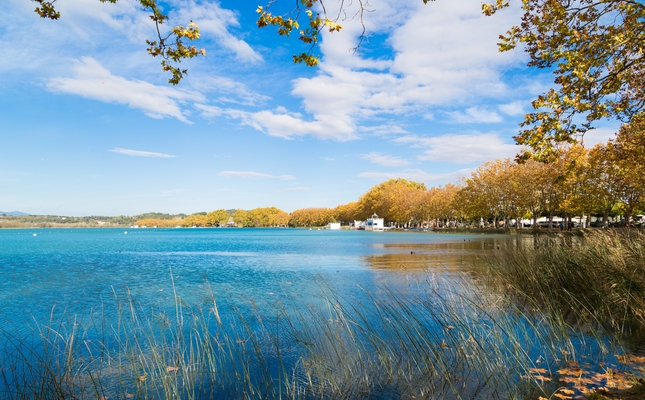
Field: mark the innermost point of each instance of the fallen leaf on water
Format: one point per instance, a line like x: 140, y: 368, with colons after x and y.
x: 561, y: 396
x: 538, y: 370
x: 171, y: 369
x: 570, y: 371
x: 630, y: 359
x: 142, y: 378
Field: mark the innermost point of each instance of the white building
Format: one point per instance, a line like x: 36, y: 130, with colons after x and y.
x: 374, y: 223
x: 334, y: 226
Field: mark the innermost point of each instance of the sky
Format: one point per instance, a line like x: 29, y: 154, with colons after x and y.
x: 90, y: 126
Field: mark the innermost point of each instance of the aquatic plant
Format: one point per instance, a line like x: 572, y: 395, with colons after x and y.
x: 596, y: 278
x: 451, y: 341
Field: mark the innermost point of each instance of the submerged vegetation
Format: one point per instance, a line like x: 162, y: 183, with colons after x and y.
x: 547, y: 318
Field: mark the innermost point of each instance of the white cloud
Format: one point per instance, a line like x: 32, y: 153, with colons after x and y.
x: 297, y: 189
x: 461, y: 149
x: 231, y: 91
x: 209, y: 112
x: 514, y: 108
x: 475, y: 115
x: 599, y: 135
x: 383, y: 130
x: 138, y: 153
x: 384, y: 159
x: 254, y: 175
x: 327, y: 158
x: 444, y: 54
x: 214, y: 20
x: 91, y: 80
x: 285, y: 125
x: 417, y: 175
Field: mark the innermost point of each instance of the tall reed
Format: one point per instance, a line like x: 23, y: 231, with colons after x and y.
x: 596, y: 278
x: 449, y: 341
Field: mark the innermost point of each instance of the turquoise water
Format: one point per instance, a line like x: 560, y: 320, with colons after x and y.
x: 83, y: 268
x: 260, y: 278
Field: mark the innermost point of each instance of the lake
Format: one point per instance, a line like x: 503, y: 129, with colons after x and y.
x: 69, y: 266
x: 395, y: 303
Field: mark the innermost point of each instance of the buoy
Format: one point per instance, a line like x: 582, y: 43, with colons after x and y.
x: 125, y: 233
x: 34, y: 234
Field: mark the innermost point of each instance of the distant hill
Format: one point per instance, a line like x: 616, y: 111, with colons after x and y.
x: 14, y: 213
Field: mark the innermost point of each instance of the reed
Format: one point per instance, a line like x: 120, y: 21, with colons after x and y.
x: 595, y: 279
x: 454, y: 338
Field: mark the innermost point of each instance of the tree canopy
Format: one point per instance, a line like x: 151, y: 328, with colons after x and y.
x: 596, y: 51
x: 170, y: 45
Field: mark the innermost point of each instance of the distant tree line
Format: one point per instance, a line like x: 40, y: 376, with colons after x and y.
x: 607, y: 180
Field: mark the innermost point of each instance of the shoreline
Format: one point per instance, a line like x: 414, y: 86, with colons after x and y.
x: 471, y: 231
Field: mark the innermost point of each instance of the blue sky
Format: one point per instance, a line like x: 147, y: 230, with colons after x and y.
x: 90, y: 126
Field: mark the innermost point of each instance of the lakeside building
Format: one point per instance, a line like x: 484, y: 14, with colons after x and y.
x: 334, y: 226
x: 374, y: 223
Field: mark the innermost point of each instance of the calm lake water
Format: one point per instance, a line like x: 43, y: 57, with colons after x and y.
x: 80, y: 268
x: 59, y: 276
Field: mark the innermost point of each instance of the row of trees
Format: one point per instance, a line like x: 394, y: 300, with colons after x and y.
x: 259, y: 217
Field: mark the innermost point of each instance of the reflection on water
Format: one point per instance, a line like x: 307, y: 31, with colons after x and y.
x: 451, y: 256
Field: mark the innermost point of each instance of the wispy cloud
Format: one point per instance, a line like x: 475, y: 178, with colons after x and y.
x: 283, y: 124
x: 137, y: 153
x: 384, y: 159
x: 296, y: 189
x: 254, y: 175
x: 455, y: 61
x: 514, y: 108
x: 417, y: 175
x: 461, y: 149
x: 215, y: 21
x: 231, y: 91
x: 475, y: 115
x: 91, y: 80
x: 327, y: 158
